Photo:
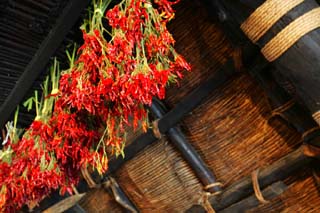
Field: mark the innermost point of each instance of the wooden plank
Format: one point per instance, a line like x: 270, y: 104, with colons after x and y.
x: 65, y: 204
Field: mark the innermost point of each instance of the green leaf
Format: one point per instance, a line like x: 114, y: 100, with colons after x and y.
x: 43, y: 163
x: 6, y: 156
x: 36, y: 144
x: 15, y: 121
x: 51, y: 163
x: 28, y: 103
x: 25, y: 173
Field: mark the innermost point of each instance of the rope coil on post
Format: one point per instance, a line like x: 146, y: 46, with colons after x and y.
x: 256, y: 187
x: 86, y: 175
x: 271, y: 11
x: 206, y: 195
x: 211, y: 185
x: 155, y: 129
x: 265, y: 16
x: 310, y: 150
x: 291, y: 34
x: 316, y: 117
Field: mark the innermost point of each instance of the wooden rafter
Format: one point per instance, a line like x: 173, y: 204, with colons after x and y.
x: 67, y: 19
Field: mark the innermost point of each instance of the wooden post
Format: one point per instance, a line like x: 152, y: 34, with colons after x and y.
x: 300, y: 62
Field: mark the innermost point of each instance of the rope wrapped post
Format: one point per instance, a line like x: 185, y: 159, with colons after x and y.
x: 288, y: 34
x: 273, y: 173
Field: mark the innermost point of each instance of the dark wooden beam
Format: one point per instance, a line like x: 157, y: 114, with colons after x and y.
x: 188, y: 152
x: 277, y: 171
x: 251, y: 202
x: 65, y: 22
x: 248, y: 203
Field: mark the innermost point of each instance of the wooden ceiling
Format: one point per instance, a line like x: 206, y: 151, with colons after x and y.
x: 31, y: 33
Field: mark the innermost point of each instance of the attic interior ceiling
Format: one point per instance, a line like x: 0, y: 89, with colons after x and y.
x: 25, y: 27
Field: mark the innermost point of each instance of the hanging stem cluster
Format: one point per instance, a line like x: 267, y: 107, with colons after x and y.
x: 126, y: 59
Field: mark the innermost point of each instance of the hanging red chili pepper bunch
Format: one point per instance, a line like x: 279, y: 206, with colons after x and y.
x: 29, y: 169
x: 112, y: 77
x: 51, y: 152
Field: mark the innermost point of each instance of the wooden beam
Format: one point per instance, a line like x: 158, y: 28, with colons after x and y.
x: 65, y: 204
x: 65, y: 22
x: 277, y: 171
x: 248, y: 203
x: 251, y: 202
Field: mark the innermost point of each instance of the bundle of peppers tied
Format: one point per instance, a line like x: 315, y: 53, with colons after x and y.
x: 83, y: 111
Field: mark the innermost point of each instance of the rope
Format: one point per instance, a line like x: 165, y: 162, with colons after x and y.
x: 282, y: 108
x: 155, y: 129
x: 206, y: 195
x: 256, y: 187
x: 316, y: 117
x: 310, y: 150
x: 9, y: 127
x: 291, y: 34
x: 91, y: 183
x: 316, y: 177
x: 265, y: 16
x: 212, y: 185
x: 75, y: 190
x: 309, y: 131
x: 205, y: 202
